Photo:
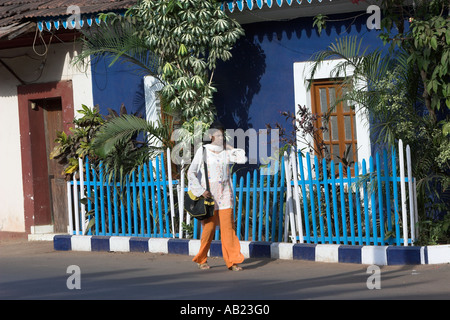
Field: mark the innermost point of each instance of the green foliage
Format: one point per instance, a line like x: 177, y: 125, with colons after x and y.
x: 177, y: 41
x: 78, y: 144
x: 118, y: 38
x: 320, y: 21
x: 427, y: 42
x: 189, y: 37
x: 433, y: 232
x: 122, y: 156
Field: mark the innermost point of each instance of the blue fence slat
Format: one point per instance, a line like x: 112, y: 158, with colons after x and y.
x: 366, y: 204
x: 327, y: 201
x: 350, y: 205
x: 110, y: 213
x: 373, y: 203
x: 147, y: 200
x: 388, y: 196
x: 164, y: 183
x: 122, y: 212
x: 102, y: 200
x: 154, y: 200
x: 396, y: 212
x: 116, y: 209
x: 135, y: 219
x: 334, y: 201
x: 380, y: 198
x: 159, y: 200
x: 305, y: 203
x: 255, y: 186
x: 94, y: 184
x: 343, y: 216
x: 241, y: 200
x: 141, y: 199
x: 234, y: 195
x: 127, y: 178
x: 281, y: 202
x: 311, y: 198
x: 261, y: 204
x: 88, y: 190
x: 274, y: 203
x: 319, y: 201
x: 247, y: 207
x: 267, y: 202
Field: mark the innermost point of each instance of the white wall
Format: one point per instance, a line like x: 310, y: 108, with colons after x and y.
x: 29, y: 66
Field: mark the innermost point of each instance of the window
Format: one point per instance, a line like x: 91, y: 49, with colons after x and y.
x: 358, y: 117
x: 340, y: 139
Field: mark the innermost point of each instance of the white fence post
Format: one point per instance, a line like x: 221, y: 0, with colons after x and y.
x: 289, y: 204
x: 172, y: 206
x: 411, y: 193
x: 75, y: 204
x: 69, y: 208
x: 403, y: 192
x: 296, y: 197
x: 83, y: 207
x: 181, y: 199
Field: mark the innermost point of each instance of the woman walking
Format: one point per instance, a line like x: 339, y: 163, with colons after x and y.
x: 218, y: 159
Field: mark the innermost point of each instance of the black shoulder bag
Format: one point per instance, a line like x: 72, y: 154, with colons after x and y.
x: 199, y: 207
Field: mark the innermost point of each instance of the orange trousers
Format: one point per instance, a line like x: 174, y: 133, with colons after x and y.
x: 231, y: 248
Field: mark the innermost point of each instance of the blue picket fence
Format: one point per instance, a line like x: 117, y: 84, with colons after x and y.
x: 139, y: 206
x: 277, y: 204
x: 372, y: 206
x: 145, y: 204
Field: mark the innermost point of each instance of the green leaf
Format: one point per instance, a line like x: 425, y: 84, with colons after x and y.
x: 433, y: 43
x: 182, y: 50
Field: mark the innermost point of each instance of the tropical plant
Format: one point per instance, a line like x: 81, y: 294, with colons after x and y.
x: 426, y: 42
x: 189, y: 37
x: 177, y: 41
x: 78, y: 144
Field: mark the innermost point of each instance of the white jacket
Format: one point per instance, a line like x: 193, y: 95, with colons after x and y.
x: 218, y: 162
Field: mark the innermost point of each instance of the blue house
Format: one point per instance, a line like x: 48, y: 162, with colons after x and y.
x: 268, y: 70
x: 40, y: 90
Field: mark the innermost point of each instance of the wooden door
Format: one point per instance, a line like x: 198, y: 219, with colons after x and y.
x: 53, y: 123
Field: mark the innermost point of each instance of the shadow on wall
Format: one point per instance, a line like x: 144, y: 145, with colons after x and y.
x: 237, y: 81
x: 121, y: 83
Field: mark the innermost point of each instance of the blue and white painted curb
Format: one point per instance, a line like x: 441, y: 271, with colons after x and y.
x: 378, y: 255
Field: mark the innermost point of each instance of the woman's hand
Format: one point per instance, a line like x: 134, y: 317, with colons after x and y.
x: 207, y: 194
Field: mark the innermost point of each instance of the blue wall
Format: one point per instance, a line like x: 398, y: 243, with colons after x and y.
x: 120, y: 83
x: 258, y: 81
x: 256, y: 84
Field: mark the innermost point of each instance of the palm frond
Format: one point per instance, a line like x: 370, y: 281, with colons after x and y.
x: 121, y: 129
x: 118, y: 39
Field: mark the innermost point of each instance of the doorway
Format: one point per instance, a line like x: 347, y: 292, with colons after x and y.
x: 44, y: 109
x: 50, y: 171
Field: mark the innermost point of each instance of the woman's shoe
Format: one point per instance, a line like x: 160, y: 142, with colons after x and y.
x: 203, y: 266
x: 235, y: 267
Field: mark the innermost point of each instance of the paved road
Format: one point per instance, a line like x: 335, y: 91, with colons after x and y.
x: 33, y: 270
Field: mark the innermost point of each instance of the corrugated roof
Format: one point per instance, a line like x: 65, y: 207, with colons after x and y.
x: 14, y: 11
